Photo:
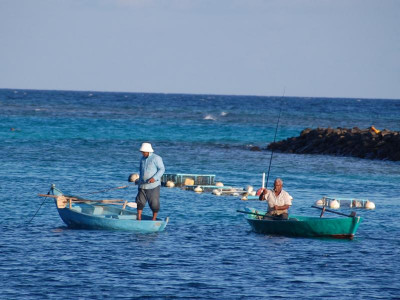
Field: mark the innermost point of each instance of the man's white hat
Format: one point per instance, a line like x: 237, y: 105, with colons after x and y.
x: 146, y: 147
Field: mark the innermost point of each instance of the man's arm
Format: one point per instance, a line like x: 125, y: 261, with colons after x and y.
x: 263, y: 195
x: 282, y: 207
x: 160, y: 170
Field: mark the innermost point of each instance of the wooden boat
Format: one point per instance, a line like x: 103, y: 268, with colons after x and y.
x: 77, y: 212
x: 301, y: 226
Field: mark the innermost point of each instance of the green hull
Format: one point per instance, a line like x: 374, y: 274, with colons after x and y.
x: 301, y: 226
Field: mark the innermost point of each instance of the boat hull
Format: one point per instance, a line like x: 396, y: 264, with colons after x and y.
x: 108, y: 217
x: 300, y: 226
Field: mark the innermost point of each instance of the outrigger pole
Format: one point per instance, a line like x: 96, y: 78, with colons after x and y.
x: 276, y: 130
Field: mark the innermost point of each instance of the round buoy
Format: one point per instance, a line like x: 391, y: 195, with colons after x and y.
x: 133, y: 177
x: 219, y: 184
x: 249, y: 189
x: 170, y: 184
x: 334, y: 204
x: 319, y: 202
x: 217, y: 192
x: 235, y: 194
x: 252, y: 193
x: 369, y: 205
x: 198, y: 189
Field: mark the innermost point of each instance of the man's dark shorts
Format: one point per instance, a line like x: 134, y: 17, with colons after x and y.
x: 149, y: 195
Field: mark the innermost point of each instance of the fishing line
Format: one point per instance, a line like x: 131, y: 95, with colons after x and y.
x: 109, y: 189
x: 276, y: 130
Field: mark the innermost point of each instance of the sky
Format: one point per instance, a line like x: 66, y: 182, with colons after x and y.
x: 318, y: 48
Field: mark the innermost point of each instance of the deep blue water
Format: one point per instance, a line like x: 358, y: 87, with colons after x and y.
x: 88, y: 141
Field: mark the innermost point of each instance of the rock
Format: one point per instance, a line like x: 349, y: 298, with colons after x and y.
x: 255, y: 148
x: 362, y: 143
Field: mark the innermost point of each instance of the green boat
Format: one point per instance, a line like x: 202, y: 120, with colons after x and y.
x: 301, y: 226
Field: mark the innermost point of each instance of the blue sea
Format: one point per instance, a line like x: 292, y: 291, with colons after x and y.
x: 85, y: 142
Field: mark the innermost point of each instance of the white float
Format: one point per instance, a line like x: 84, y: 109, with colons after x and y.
x: 369, y: 205
x: 198, y: 189
x: 219, y: 184
x: 133, y: 177
x: 217, y: 192
x: 170, y: 184
x: 319, y: 202
x: 334, y: 204
x: 249, y: 189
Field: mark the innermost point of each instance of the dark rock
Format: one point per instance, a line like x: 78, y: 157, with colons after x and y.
x: 364, y: 143
x: 255, y: 148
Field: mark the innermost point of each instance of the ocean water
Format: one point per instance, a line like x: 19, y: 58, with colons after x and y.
x: 85, y: 142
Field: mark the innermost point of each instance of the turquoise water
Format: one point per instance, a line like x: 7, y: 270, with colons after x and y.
x: 88, y: 141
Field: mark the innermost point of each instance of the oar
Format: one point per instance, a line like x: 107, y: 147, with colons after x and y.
x: 256, y: 214
x: 352, y: 215
x: 76, y: 199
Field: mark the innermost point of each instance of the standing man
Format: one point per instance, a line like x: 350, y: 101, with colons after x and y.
x: 151, y: 171
x: 279, y: 201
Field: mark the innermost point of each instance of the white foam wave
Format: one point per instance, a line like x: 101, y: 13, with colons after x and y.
x: 209, y: 117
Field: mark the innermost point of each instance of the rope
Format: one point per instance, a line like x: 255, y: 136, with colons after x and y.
x: 48, y: 193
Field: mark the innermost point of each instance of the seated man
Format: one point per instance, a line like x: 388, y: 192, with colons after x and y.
x: 279, y: 201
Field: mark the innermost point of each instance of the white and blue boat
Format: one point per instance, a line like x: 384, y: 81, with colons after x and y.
x: 111, y: 214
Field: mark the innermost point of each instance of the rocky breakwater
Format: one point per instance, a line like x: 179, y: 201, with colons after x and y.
x: 367, y: 143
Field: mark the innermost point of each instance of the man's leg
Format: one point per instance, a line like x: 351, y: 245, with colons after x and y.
x: 154, y: 200
x: 140, y: 202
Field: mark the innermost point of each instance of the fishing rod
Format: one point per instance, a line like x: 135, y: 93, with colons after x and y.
x: 276, y: 130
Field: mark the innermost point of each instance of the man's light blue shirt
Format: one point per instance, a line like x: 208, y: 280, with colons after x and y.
x: 151, y: 167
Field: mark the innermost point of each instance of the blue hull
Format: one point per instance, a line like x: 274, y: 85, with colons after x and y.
x: 98, y: 216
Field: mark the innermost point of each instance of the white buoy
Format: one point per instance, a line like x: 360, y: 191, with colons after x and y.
x: 252, y: 193
x: 219, y: 184
x: 170, y: 184
x: 132, y: 204
x: 217, y: 192
x: 235, y: 194
x: 334, y: 204
x: 133, y: 177
x: 198, y: 189
x: 369, y: 205
x: 319, y: 202
x: 249, y: 189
